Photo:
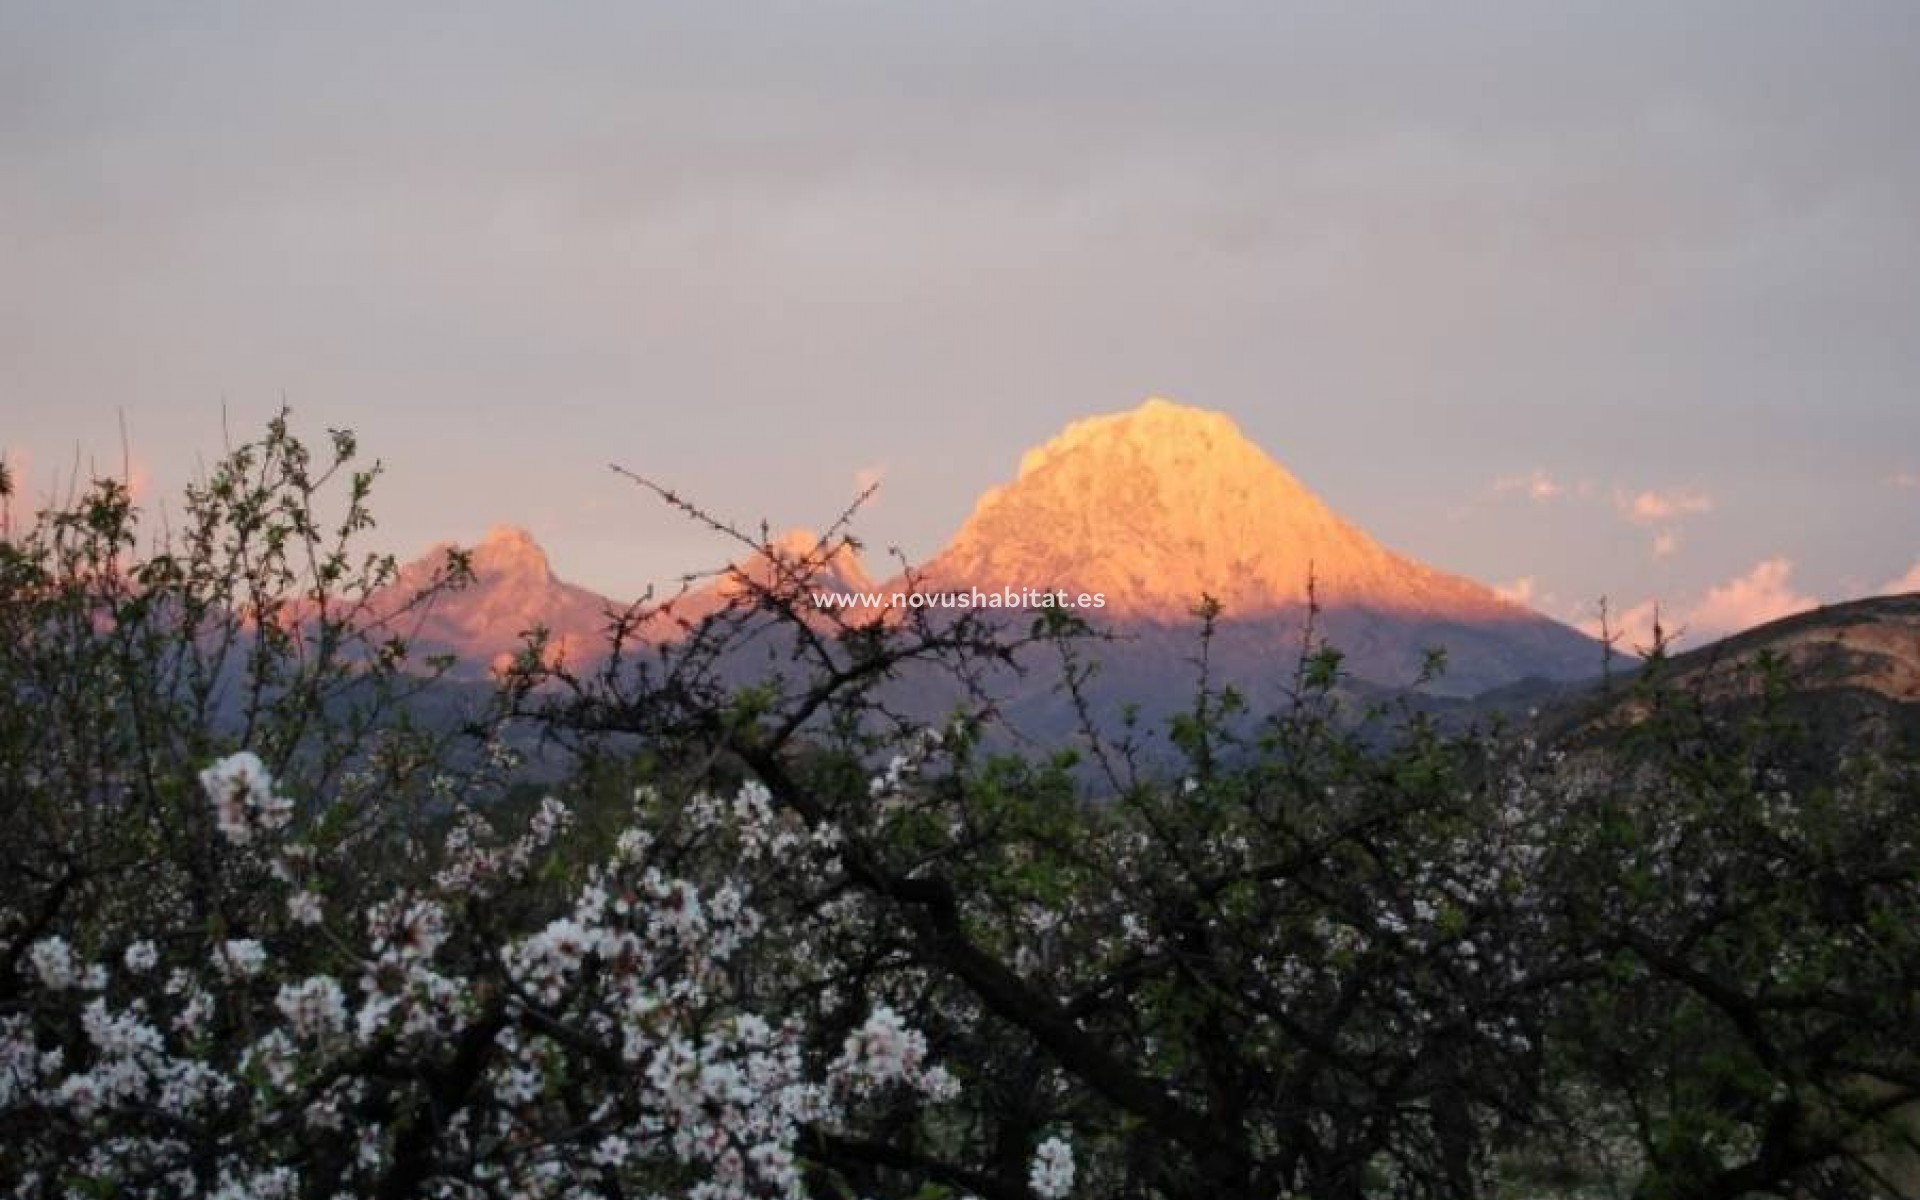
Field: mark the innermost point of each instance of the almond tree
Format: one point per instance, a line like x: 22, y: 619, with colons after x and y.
x: 785, y: 927
x: 262, y: 935
x: 1296, y: 955
x: 1303, y: 966
x: 1750, y: 899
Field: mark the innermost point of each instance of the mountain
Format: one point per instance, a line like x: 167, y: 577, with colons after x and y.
x: 826, y: 563
x: 1848, y: 675
x: 1156, y: 507
x: 1870, y: 647
x: 514, y: 589
x: 1153, y: 508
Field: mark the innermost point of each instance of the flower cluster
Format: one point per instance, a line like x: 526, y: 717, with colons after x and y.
x: 884, y: 1052
x: 1051, y: 1175
x: 245, y: 803
x: 610, y: 1043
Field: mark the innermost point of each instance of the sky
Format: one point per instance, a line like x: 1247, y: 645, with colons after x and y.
x: 1581, y: 300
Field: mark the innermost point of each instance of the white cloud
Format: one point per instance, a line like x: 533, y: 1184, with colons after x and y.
x: 1763, y: 594
x: 1656, y: 505
x: 1536, y: 485
x: 1632, y: 630
x: 1666, y: 543
x: 1910, y: 582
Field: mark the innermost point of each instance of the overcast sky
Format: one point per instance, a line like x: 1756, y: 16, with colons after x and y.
x: 1615, y: 299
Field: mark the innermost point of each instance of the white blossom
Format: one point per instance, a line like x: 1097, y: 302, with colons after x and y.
x: 315, y: 1007
x: 141, y: 957
x: 303, y: 908
x: 634, y: 959
x: 52, y: 960
x: 239, y: 958
x: 1051, y: 1175
x: 880, y: 1052
x: 243, y: 797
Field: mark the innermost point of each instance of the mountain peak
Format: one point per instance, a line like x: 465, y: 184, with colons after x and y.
x: 798, y: 542
x: 1165, y: 502
x: 508, y: 535
x: 831, y: 562
x: 1161, y: 425
x: 513, y: 591
x: 510, y: 551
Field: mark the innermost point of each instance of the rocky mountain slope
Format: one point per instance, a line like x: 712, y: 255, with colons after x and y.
x: 513, y: 590
x: 1154, y: 508
x: 1847, y: 675
x: 1164, y: 504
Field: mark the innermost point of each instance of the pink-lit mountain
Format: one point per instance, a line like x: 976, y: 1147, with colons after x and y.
x: 513, y: 590
x: 1153, y: 508
x: 1158, y: 506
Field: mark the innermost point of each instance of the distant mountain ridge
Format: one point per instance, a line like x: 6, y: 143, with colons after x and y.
x: 513, y: 591
x: 1153, y: 508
